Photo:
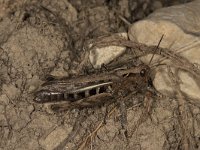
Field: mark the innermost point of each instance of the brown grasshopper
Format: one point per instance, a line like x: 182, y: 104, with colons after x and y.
x: 94, y: 89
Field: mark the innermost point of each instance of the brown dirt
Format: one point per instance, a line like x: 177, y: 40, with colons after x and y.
x: 38, y: 38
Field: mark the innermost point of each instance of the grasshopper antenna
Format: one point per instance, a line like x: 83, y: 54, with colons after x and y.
x: 154, y: 52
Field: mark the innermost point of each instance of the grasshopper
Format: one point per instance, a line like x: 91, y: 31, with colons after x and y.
x: 93, y: 89
x: 97, y: 88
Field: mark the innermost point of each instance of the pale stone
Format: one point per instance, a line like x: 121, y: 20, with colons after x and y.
x: 162, y: 81
x: 180, y: 27
x: 188, y: 85
x: 106, y: 54
x: 150, y: 32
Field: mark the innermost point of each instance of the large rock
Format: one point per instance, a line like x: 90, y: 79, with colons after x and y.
x: 180, y: 27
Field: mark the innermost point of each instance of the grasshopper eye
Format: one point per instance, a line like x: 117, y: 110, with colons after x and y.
x: 143, y: 72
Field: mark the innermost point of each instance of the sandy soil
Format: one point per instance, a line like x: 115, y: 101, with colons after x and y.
x: 38, y: 38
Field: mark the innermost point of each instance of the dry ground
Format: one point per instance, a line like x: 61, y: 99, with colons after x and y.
x: 44, y: 37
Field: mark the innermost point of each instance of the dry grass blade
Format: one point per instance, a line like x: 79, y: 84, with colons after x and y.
x: 156, y: 49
